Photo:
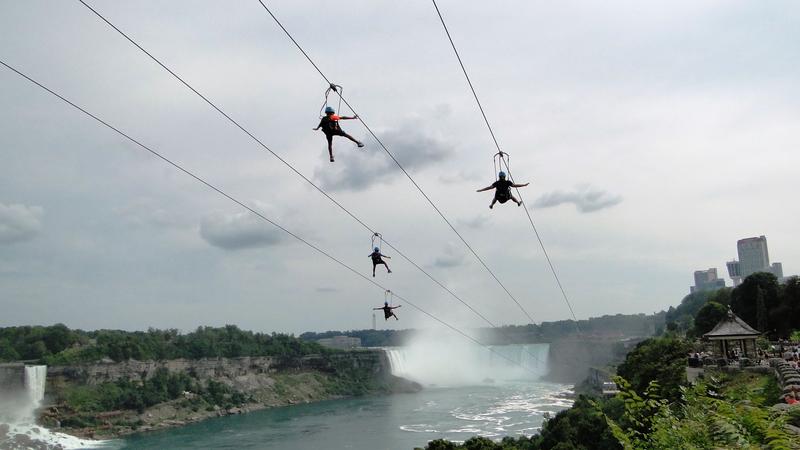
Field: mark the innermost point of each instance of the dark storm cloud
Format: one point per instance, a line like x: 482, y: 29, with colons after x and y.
x: 239, y: 231
x: 585, y: 199
x: 19, y: 222
x: 362, y: 168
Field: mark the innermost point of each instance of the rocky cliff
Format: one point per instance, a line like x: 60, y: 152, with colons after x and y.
x: 570, y: 359
x: 262, y: 381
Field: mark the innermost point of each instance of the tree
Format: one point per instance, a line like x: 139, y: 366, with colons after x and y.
x: 662, y: 360
x: 708, y: 317
x: 744, y: 299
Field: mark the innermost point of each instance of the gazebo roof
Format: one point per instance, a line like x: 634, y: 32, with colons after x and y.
x: 732, y: 327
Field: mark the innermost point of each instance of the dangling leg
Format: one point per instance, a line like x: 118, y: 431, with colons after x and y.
x: 359, y: 143
x: 395, y: 316
x: 373, y: 268
x: 330, y: 145
x: 494, y: 200
x: 519, y: 203
x: 387, y: 267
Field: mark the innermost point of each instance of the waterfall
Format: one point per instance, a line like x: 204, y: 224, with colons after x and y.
x: 437, y: 362
x: 397, y: 361
x: 35, y: 378
x: 21, y: 394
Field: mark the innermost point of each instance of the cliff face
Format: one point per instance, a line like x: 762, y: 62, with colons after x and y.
x: 234, y: 370
x: 570, y: 360
x: 264, y: 381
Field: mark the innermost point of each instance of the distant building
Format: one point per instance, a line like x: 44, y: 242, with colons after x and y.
x: 341, y: 342
x: 706, y: 280
x: 777, y: 270
x: 753, y: 257
x: 735, y: 272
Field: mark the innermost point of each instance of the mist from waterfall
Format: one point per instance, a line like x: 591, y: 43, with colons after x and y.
x: 22, y: 391
x: 443, y: 360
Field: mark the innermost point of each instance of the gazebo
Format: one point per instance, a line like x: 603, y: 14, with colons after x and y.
x: 733, y: 333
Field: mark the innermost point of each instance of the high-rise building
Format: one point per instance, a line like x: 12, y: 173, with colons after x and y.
x: 753, y: 257
x: 706, y: 280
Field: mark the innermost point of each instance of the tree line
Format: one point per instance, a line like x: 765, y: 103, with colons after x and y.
x: 59, y: 345
x: 761, y: 301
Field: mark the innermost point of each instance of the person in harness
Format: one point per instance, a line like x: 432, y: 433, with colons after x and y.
x: 377, y: 259
x: 502, y: 189
x: 330, y: 126
x: 387, y: 311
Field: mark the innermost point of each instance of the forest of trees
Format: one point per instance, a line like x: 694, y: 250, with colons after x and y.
x: 59, y: 345
x: 766, y: 305
x: 617, y: 326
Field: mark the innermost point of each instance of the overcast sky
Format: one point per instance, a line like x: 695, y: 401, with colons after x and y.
x: 654, y: 135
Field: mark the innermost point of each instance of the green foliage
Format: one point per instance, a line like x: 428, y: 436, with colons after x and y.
x: 751, y: 300
x: 702, y: 420
x: 708, y: 317
x: 57, y: 345
x: 662, y: 360
x: 34, y: 343
x: 161, y: 387
x: 618, y: 324
x: 581, y: 427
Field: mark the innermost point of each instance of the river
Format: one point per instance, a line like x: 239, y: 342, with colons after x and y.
x: 395, y: 422
x: 468, y: 391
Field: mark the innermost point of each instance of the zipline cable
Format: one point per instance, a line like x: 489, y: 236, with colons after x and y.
x: 496, y: 144
x: 383, y: 146
x: 255, y: 212
x: 290, y: 166
x: 286, y: 163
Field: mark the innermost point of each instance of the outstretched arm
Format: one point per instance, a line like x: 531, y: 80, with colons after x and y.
x: 519, y: 185
x: 384, y: 256
x: 485, y: 189
x: 348, y: 117
x: 376, y: 308
x: 395, y: 307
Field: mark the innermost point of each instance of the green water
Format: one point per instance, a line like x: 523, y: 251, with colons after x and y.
x: 395, y: 422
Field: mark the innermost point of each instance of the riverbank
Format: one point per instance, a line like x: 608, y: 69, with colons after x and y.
x: 109, y: 400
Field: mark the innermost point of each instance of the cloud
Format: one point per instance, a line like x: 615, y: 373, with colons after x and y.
x: 451, y: 257
x: 585, y: 199
x: 462, y: 176
x: 146, y: 212
x: 475, y: 223
x: 362, y: 168
x: 239, y: 231
x: 19, y: 223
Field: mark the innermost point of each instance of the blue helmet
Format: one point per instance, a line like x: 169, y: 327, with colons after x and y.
x: 329, y: 110
x: 377, y: 249
x: 385, y: 303
x: 501, y: 174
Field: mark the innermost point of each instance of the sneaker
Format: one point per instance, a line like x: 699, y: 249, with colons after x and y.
x: 390, y: 271
x: 519, y: 204
x: 331, y: 158
x: 360, y: 144
x: 491, y: 206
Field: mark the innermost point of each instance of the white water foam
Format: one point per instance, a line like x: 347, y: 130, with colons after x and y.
x: 18, y: 429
